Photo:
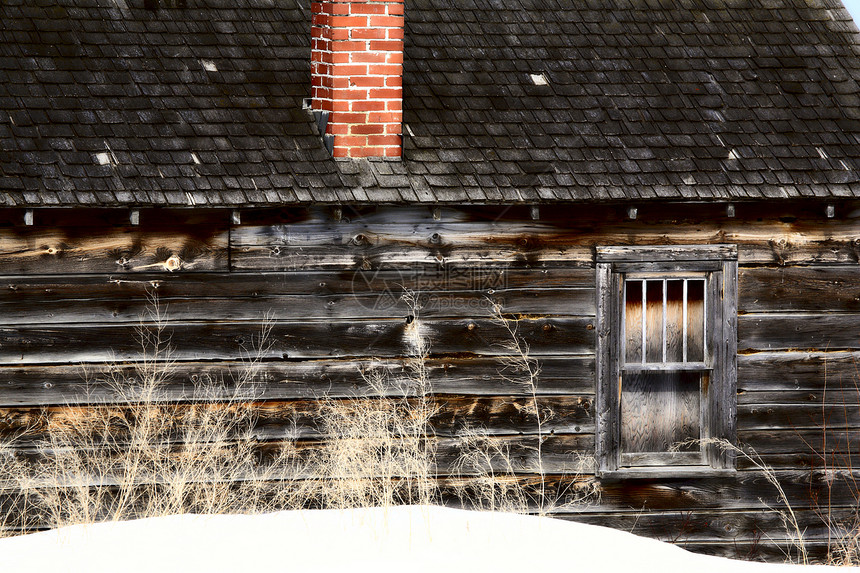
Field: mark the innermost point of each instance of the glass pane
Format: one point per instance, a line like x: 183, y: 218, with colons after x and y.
x: 696, y: 320
x: 675, y: 320
x: 633, y: 322
x: 654, y: 321
x: 659, y: 410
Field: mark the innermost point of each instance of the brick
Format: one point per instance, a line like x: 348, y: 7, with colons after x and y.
x: 352, y: 117
x: 385, y: 93
x: 350, y: 94
x: 365, y: 8
x: 368, y: 81
x: 367, y: 129
x: 385, y: 69
x: 367, y: 106
x: 368, y: 57
x: 349, y: 70
x: 385, y: 117
x: 387, y: 46
x: 383, y: 140
x: 350, y: 21
x: 349, y: 46
x: 337, y: 128
x: 386, y: 21
x: 369, y: 33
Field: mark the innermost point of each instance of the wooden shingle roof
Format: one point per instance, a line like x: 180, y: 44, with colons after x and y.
x: 200, y: 102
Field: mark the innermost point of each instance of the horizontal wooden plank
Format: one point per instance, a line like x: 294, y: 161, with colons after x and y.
x: 829, y: 445
x: 746, y: 490
x: 796, y: 371
x: 118, y: 250
x: 799, y: 289
x: 682, y: 527
x: 760, y: 550
x: 294, y: 340
x: 798, y: 331
x: 393, y: 243
x: 307, y: 418
x: 36, y: 288
x: 278, y: 380
x: 385, y: 304
x: 848, y: 397
x: 788, y: 416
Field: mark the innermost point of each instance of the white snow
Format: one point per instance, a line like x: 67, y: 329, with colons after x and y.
x: 397, y: 539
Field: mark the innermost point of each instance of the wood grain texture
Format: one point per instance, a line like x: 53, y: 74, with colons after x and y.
x: 659, y: 410
x: 292, y: 340
x: 306, y: 418
x: 392, y: 243
x: 115, y: 250
x: 385, y: 304
x: 799, y: 289
x: 797, y: 371
x: 51, y: 288
x: 798, y: 331
x: 279, y: 380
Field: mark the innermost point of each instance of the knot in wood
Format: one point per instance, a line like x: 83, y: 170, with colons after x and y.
x: 360, y: 240
x: 547, y: 327
x: 173, y: 263
x: 471, y: 326
x: 435, y: 238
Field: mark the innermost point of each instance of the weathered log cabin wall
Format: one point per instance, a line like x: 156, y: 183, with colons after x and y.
x: 75, y: 285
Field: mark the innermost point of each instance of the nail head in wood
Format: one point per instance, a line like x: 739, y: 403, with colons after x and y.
x: 437, y: 214
x: 28, y: 217
x: 235, y: 217
x: 830, y: 211
x: 134, y: 217
x: 632, y: 212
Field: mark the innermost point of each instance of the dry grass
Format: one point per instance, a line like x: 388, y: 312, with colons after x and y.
x: 147, y: 454
x: 838, y: 467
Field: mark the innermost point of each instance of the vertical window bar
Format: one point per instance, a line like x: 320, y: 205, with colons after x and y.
x: 704, y: 321
x: 665, y: 289
x: 644, y: 318
x: 624, y: 320
x: 684, y: 315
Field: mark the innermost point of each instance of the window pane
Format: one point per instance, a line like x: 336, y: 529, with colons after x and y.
x: 654, y: 321
x: 675, y: 321
x: 659, y: 409
x: 695, y: 320
x: 633, y: 322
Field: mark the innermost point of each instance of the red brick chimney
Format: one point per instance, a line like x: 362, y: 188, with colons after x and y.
x: 357, y: 75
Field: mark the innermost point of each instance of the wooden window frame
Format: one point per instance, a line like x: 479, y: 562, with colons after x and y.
x: 719, y: 265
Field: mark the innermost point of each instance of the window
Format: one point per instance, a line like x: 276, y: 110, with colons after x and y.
x: 666, y: 359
